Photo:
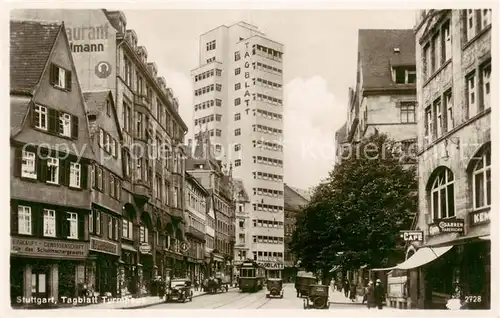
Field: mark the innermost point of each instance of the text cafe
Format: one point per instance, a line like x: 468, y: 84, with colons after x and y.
x: 102, y: 267
x: 45, y: 268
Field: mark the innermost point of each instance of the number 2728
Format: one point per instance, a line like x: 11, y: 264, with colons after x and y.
x: 473, y: 299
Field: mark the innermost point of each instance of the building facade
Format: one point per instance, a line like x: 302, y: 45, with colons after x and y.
x: 195, y: 220
x: 107, y: 57
x: 454, y: 160
x: 106, y: 175
x: 219, y: 235
x: 238, y: 97
x: 243, y: 241
x: 384, y: 97
x: 50, y: 197
x: 295, y: 200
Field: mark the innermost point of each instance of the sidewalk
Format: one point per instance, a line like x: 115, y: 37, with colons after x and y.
x: 337, y: 297
x: 131, y: 303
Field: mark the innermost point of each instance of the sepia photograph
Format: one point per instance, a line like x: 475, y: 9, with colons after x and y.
x: 309, y: 160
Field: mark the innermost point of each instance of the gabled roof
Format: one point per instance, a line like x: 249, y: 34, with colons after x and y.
x: 19, y: 106
x: 295, y: 198
x: 96, y: 105
x: 31, y: 44
x: 376, y: 54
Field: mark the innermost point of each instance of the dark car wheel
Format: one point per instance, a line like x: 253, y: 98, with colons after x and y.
x: 319, y: 302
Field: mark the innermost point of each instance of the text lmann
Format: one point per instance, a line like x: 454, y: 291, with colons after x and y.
x: 87, y: 33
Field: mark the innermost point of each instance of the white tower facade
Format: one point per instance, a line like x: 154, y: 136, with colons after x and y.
x: 238, y: 97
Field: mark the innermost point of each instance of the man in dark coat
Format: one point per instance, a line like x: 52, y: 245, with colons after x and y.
x: 346, y: 288
x: 379, y: 294
x: 370, y: 295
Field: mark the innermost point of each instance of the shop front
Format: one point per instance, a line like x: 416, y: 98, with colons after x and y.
x: 129, y: 271
x: 147, y: 268
x: 45, y: 269
x: 102, y: 270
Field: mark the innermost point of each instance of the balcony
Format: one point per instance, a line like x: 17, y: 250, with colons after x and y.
x: 142, y: 192
x: 141, y: 100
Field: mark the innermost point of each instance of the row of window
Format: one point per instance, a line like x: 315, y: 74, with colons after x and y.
x: 207, y: 119
x: 196, y: 223
x: 208, y: 89
x: 196, y: 200
x: 268, y: 99
x: 108, y: 143
x: 437, y: 50
x: 442, y: 192
x: 269, y: 115
x: 268, y: 192
x: 211, y: 45
x: 48, y: 223
x: 209, y: 242
x: 289, y: 229
x: 268, y: 224
x: 268, y: 161
x: 267, y: 207
x: 267, y: 52
x: 267, y: 68
x: 267, y: 256
x: 54, y: 121
x: 51, y: 170
x: 105, y: 181
x: 439, y: 116
x: 267, y: 145
x: 267, y: 239
x: 208, y: 74
x: 267, y: 176
x: 208, y: 104
x: 211, y: 59
x: 97, y: 224
x: 267, y: 83
x: 267, y: 130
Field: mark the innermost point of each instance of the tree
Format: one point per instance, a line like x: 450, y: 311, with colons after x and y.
x: 355, y: 216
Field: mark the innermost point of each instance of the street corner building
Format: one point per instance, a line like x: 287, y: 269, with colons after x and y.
x: 454, y: 159
x: 450, y: 258
x: 50, y: 158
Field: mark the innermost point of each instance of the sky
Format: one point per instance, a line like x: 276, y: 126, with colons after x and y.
x: 319, y: 66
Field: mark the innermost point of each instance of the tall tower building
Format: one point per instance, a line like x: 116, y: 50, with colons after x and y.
x: 238, y: 98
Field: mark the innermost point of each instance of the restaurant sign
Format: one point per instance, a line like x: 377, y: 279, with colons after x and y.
x: 103, y: 246
x: 411, y: 236
x: 479, y: 217
x: 35, y: 247
x: 269, y: 265
x: 447, y: 226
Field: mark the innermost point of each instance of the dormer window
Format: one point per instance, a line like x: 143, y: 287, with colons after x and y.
x: 404, y: 75
x: 397, y: 50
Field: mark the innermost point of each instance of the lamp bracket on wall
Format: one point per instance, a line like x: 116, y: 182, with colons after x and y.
x: 455, y: 141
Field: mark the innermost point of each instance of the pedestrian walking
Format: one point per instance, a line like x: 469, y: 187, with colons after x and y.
x: 379, y: 294
x: 346, y: 288
x: 370, y: 295
x: 352, y: 292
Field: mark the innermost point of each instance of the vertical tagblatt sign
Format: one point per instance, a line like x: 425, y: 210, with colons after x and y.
x: 246, y: 96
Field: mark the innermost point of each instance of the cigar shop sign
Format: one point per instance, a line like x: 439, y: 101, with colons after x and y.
x: 447, y: 226
x: 43, y: 248
x: 103, y: 246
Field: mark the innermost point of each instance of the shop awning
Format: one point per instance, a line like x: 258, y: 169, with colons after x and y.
x: 423, y: 256
x: 128, y: 248
x: 486, y: 238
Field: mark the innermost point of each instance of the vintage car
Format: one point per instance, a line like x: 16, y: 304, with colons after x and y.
x: 317, y: 297
x: 302, y: 282
x: 274, y: 287
x: 179, y: 289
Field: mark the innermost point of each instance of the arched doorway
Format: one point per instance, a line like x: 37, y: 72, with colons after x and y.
x: 169, y: 245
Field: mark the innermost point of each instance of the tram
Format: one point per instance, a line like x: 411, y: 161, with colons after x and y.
x: 252, y: 276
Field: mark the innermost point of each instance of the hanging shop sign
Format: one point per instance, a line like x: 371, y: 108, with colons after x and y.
x: 269, y: 265
x: 40, y: 248
x: 145, y: 248
x: 184, y: 246
x: 103, y: 246
x: 447, y: 226
x: 479, y: 217
x: 411, y: 236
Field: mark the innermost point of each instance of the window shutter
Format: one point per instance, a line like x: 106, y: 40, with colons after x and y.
x: 63, y: 171
x: 65, y: 224
x: 35, y: 221
x: 41, y: 169
x: 103, y: 223
x: 39, y: 216
x: 14, y: 222
x: 84, y: 175
x: 53, y: 120
x: 53, y: 74
x: 18, y: 161
x: 68, y: 80
x: 34, y: 115
x: 74, y: 127
x: 81, y: 226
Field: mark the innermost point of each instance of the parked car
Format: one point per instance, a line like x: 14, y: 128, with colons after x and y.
x: 179, y: 289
